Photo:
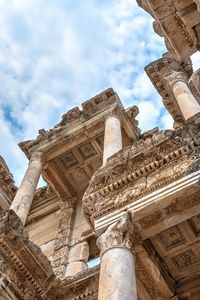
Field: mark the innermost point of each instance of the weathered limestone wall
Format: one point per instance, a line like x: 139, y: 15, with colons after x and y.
x: 43, y: 231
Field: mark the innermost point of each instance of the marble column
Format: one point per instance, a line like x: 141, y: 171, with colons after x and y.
x: 117, y: 272
x: 187, y: 103
x: 112, y: 137
x: 25, y: 193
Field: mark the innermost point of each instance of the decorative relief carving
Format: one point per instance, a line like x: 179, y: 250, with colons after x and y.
x: 173, y: 209
x: 69, y: 160
x: 98, y: 103
x: 123, y: 233
x: 173, y: 77
x: 87, y: 150
x: 134, y: 172
x: 195, y: 224
x: 185, y: 259
x: 171, y: 237
x: 147, y: 280
x: 43, y: 193
x: 63, y: 234
x: 194, y: 128
x: 70, y: 116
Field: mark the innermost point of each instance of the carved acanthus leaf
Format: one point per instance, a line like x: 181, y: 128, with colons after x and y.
x: 123, y: 233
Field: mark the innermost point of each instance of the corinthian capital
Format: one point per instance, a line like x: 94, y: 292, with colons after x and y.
x: 123, y: 233
x: 38, y: 156
x: 172, y: 76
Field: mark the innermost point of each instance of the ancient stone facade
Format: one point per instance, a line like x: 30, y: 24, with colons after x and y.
x: 119, y: 218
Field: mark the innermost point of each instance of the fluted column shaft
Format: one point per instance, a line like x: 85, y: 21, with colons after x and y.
x: 112, y: 137
x: 25, y: 193
x: 117, y: 259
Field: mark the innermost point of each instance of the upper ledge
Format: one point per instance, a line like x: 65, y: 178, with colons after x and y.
x: 75, y: 120
x: 178, y: 21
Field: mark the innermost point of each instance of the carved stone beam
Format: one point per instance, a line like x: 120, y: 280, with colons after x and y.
x: 176, y: 22
x: 25, y: 193
x: 116, y: 245
x: 112, y: 136
x: 152, y: 275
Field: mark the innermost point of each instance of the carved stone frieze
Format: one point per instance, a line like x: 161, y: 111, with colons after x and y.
x: 123, y: 233
x: 148, y: 282
x: 176, y: 207
x: 70, y: 116
x: 98, y: 103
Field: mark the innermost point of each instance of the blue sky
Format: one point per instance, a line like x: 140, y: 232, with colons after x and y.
x: 54, y: 55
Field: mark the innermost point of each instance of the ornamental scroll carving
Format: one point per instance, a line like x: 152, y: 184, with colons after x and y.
x: 123, y: 233
x: 63, y: 234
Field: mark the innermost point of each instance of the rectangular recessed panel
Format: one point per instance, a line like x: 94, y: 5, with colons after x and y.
x: 87, y: 150
x: 100, y: 141
x: 69, y: 160
x: 185, y: 259
x: 195, y: 224
x: 171, y: 237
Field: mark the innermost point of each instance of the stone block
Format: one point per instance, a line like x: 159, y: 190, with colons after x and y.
x: 75, y: 267
x: 79, y: 252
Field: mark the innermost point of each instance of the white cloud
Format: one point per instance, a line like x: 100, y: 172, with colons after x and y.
x: 56, y: 54
x: 196, y: 60
x: 167, y: 121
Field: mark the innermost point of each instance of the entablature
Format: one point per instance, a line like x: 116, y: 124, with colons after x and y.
x: 140, y: 170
